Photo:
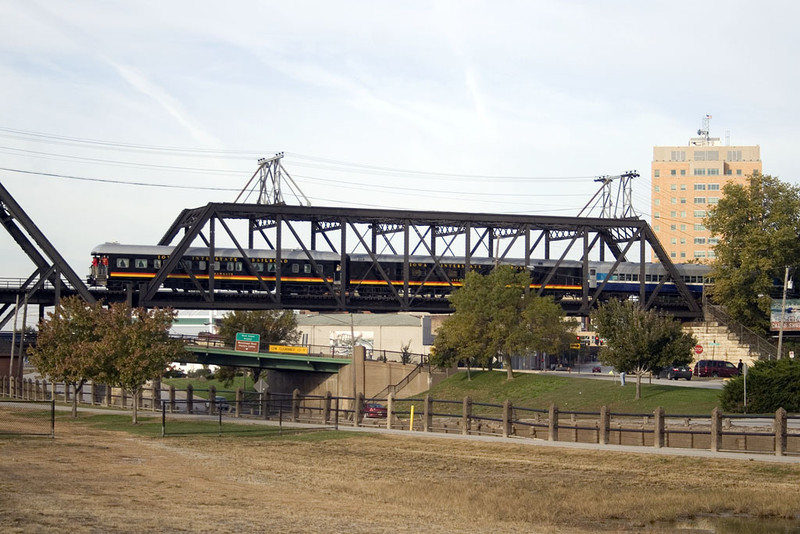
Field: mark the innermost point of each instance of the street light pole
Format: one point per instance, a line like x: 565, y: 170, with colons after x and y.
x: 783, y: 312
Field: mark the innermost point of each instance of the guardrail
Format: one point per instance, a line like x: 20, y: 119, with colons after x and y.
x: 777, y: 434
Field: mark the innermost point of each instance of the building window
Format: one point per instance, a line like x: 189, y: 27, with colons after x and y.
x: 683, y: 172
x: 672, y: 227
x: 683, y: 187
x: 683, y: 214
x: 699, y: 187
x: 683, y: 241
x: 683, y: 201
x: 713, y: 187
x: 700, y: 200
x: 738, y: 172
x: 713, y: 200
x: 713, y: 172
x: 700, y: 213
x: 683, y: 227
x: 699, y: 228
x: 657, y: 215
x: 672, y: 255
x: 734, y: 155
x: 673, y: 200
x: 713, y: 240
x: 699, y: 172
x: 657, y: 202
x: 699, y: 240
x: 728, y: 171
x: 658, y: 228
x: 712, y: 254
x: 683, y: 254
x: 656, y: 189
x: 673, y: 172
x: 678, y: 155
x: 699, y: 253
x: 657, y: 173
x: 673, y: 241
x: 673, y: 213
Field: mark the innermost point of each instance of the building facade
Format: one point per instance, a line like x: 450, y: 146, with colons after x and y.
x: 686, y: 181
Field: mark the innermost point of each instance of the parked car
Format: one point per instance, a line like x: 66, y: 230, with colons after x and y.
x: 715, y: 368
x: 374, y: 410
x: 222, y: 404
x: 597, y: 369
x: 674, y: 372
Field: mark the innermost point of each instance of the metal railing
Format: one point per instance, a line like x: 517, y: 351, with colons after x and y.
x: 758, y: 344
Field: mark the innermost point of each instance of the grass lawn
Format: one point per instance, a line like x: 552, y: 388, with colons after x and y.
x: 576, y: 394
x: 201, y: 385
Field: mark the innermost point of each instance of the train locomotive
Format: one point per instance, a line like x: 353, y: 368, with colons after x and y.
x: 116, y: 266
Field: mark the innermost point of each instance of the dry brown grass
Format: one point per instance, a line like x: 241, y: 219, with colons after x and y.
x: 87, y: 480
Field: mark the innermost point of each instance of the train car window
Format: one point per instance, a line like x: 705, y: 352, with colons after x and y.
x: 238, y: 266
x: 307, y: 268
x: 156, y: 264
x: 319, y: 268
x: 216, y: 266
x: 229, y: 266
x: 140, y: 263
x: 259, y: 267
x: 271, y: 268
x: 123, y: 263
x: 295, y: 268
x: 201, y: 265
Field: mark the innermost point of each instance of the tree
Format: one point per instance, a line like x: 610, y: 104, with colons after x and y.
x: 497, y: 316
x: 67, y: 348
x: 278, y: 327
x: 640, y: 341
x: 758, y: 225
x: 138, y: 345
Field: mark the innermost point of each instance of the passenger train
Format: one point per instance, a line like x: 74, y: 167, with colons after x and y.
x: 115, y: 266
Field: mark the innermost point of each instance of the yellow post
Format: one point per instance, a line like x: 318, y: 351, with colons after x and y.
x: 411, y: 422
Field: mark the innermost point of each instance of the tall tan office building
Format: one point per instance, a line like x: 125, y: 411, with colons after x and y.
x: 686, y: 180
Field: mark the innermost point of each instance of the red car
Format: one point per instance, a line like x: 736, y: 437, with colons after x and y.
x: 374, y: 410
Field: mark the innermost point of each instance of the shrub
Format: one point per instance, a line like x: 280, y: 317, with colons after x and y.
x: 771, y: 384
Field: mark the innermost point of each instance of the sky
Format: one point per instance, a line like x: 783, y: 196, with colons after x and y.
x: 117, y: 115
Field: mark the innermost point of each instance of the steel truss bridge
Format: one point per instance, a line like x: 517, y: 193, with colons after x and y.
x: 441, y: 237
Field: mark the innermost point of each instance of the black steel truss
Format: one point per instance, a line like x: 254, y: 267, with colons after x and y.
x: 51, y: 268
x: 442, y: 236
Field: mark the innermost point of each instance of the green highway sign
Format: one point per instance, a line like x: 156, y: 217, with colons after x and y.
x: 247, y: 342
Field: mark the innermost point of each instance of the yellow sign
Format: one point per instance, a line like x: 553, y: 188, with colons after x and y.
x: 574, y: 345
x: 286, y: 349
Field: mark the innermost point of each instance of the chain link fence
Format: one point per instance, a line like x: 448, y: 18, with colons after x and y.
x: 27, y: 418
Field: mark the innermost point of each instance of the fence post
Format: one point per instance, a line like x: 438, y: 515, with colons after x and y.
x: 326, y: 408
x: 265, y: 398
x: 552, y: 423
x: 157, y: 395
x: 716, y: 430
x: 507, y: 418
x: 44, y: 390
x: 172, y: 399
x: 123, y: 396
x: 239, y: 397
x: 428, y: 414
x: 466, y: 416
x: 66, y: 392
x: 296, y: 405
x: 780, y: 432
x: 658, y: 431
x: 358, y: 408
x: 109, y: 395
x: 2, y: 386
x: 212, y: 400
x: 189, y: 398
x: 389, y: 410
x: 605, y: 423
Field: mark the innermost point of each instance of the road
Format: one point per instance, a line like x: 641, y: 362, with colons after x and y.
x: 606, y: 373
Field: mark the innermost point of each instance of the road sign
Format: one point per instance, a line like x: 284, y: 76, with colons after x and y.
x: 575, y: 345
x: 288, y: 349
x: 247, y: 342
x: 698, y: 349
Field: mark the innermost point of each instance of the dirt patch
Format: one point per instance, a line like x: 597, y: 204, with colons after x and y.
x: 86, y: 480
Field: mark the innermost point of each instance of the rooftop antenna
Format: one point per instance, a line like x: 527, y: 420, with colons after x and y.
x: 703, y: 132
x: 271, y: 174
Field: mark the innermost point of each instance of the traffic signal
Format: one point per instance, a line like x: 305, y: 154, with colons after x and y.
x: 596, y: 340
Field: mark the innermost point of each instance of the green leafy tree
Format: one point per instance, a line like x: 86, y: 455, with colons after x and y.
x: 497, y: 316
x: 276, y: 327
x: 67, y: 349
x: 758, y: 227
x: 771, y: 384
x: 138, y: 346
x: 639, y: 341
